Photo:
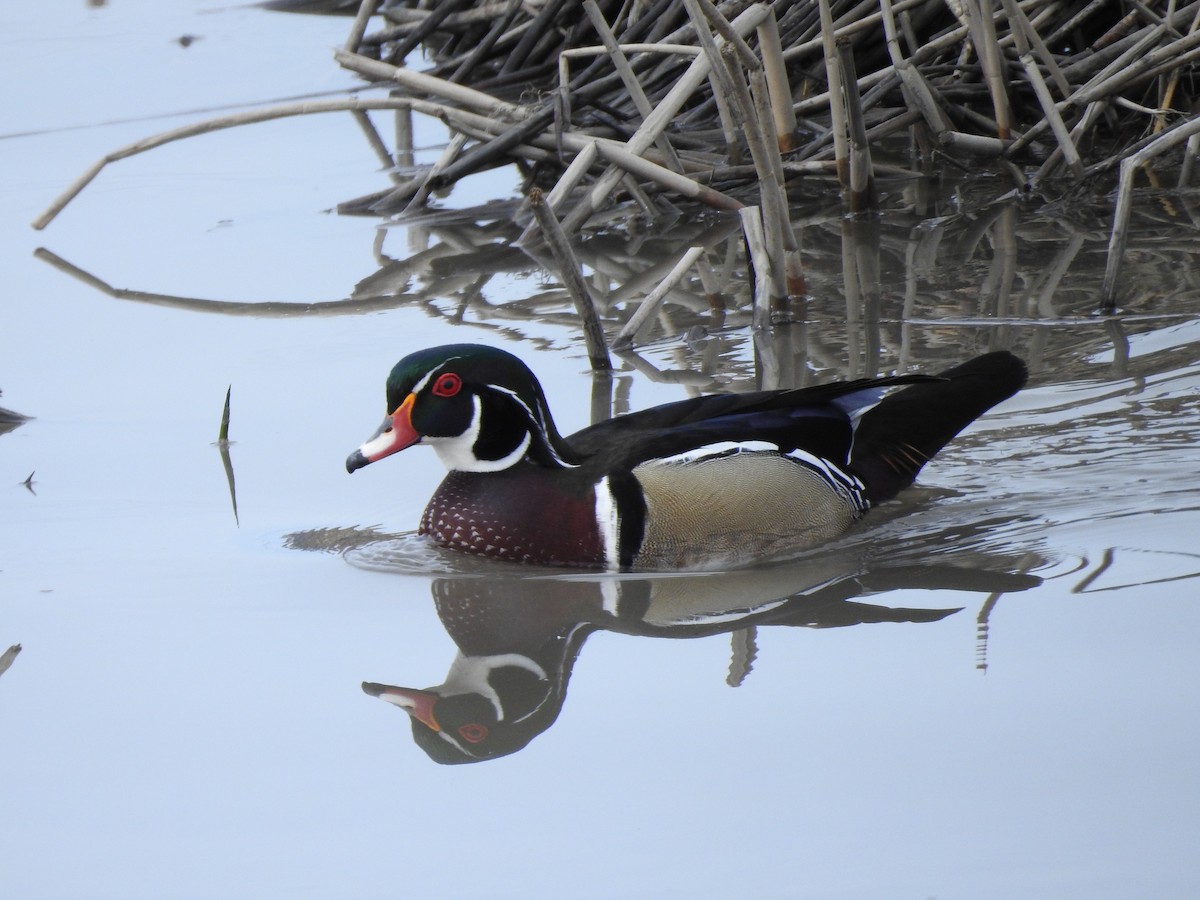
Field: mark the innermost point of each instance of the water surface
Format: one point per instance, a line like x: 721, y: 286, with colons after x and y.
x: 986, y: 690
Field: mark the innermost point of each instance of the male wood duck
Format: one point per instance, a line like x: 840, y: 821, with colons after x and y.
x: 713, y: 481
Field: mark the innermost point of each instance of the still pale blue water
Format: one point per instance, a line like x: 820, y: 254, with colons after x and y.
x: 1015, y: 715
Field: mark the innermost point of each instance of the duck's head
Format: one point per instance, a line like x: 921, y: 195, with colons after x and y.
x: 480, y: 408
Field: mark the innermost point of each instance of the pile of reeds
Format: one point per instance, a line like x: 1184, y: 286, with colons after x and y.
x: 692, y: 100
x: 671, y: 104
x: 1068, y: 87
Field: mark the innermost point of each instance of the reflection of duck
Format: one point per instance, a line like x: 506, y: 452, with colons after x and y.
x: 518, y: 638
x: 10, y: 420
x: 713, y: 481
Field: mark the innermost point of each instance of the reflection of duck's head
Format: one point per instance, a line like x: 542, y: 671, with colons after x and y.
x: 456, y: 728
x: 489, y: 705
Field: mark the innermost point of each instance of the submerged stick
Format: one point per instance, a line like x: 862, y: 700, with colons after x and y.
x: 653, y: 300
x: 223, y: 432
x: 223, y: 444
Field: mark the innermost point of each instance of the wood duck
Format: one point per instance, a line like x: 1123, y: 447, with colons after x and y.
x: 713, y: 481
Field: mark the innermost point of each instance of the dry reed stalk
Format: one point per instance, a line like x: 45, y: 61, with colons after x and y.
x: 644, y: 168
x: 861, y: 195
x: 1179, y: 134
x: 837, y: 94
x: 795, y: 282
x: 574, y: 173
x: 375, y: 142
x: 730, y: 117
x: 436, y: 15
x: 501, y: 26
x: 404, y: 153
x: 778, y: 85
x: 760, y: 264
x: 1191, y: 153
x: 359, y: 27
x: 765, y: 153
x: 918, y: 92
x: 572, y: 278
x: 422, y: 83
x: 1042, y: 91
x: 983, y: 27
x: 208, y: 126
x: 725, y: 30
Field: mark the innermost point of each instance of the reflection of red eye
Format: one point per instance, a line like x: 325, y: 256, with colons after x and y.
x: 473, y: 733
x: 447, y: 385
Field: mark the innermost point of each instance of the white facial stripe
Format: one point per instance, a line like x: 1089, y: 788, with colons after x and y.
x: 469, y: 675
x: 535, y: 416
x: 457, y: 453
x: 420, y: 385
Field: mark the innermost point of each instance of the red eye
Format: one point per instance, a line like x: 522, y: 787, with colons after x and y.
x: 473, y: 733
x: 447, y: 385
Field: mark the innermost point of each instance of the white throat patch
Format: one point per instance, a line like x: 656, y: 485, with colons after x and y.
x: 458, y: 453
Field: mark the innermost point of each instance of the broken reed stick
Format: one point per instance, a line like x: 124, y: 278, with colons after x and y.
x: 1168, y: 140
x: 421, y: 83
x: 860, y: 194
x: 778, y: 86
x: 836, y: 93
x: 423, y: 187
x: 250, y: 117
x: 760, y: 264
x: 983, y: 27
x: 359, y: 26
x: 653, y: 300
x: 572, y: 277
x: 644, y: 168
x: 775, y: 221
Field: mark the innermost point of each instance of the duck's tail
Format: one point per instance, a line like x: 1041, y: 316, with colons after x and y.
x: 895, y: 438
